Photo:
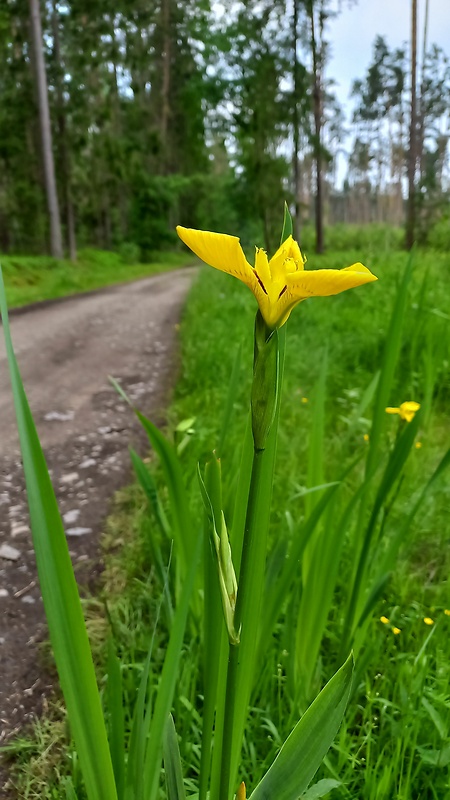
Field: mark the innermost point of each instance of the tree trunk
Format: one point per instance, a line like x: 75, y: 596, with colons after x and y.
x: 412, y: 156
x: 46, y: 134
x: 64, y: 149
x: 421, y: 110
x: 296, y: 123
x: 317, y: 108
x: 165, y: 89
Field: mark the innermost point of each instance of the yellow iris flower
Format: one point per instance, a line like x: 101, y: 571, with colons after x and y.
x: 278, y: 284
x: 406, y: 410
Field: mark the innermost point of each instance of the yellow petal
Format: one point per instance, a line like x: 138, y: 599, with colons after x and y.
x: 392, y: 410
x: 408, y: 409
x: 262, y: 268
x: 326, y: 282
x: 218, y: 250
x: 288, y: 258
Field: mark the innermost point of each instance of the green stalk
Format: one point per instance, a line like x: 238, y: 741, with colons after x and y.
x: 250, y: 589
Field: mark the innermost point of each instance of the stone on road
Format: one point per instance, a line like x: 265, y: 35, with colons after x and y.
x: 66, y: 350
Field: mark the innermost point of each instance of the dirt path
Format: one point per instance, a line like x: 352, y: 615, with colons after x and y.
x: 66, y: 350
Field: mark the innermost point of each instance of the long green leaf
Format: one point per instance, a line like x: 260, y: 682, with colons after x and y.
x: 181, y: 522
x: 172, y: 763
x: 70, y: 791
x: 169, y: 675
x: 60, y: 596
x: 213, y: 623
x: 182, y: 527
x: 390, y: 357
x: 321, y: 789
x: 303, y: 751
x: 148, y: 485
x: 116, y: 720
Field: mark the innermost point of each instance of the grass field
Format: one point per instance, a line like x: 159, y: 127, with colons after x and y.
x: 395, y: 740
x: 32, y: 278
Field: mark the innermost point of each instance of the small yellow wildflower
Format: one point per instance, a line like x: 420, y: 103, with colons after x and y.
x: 447, y: 612
x: 305, y: 400
x: 418, y: 445
x: 241, y: 792
x: 406, y: 410
x: 384, y: 620
x: 428, y: 621
x: 366, y: 437
x: 278, y: 284
x: 396, y: 630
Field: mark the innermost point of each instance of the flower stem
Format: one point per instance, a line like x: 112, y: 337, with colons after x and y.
x: 249, y: 601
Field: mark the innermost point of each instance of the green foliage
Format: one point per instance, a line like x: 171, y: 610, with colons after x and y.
x: 439, y: 235
x: 61, y: 600
x: 32, y: 278
x: 393, y: 487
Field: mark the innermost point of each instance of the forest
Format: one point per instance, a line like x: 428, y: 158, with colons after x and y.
x: 142, y: 115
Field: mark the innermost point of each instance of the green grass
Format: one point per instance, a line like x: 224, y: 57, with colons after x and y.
x: 396, y: 735
x: 29, y: 279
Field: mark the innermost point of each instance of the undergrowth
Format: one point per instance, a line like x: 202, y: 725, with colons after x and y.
x: 395, y: 740
x: 29, y: 279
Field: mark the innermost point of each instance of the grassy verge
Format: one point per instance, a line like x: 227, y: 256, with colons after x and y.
x: 396, y: 737
x: 32, y: 278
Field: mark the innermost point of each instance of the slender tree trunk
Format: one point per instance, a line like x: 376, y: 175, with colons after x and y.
x: 165, y: 89
x: 421, y: 109
x: 412, y: 156
x: 317, y: 108
x: 64, y: 148
x: 46, y: 134
x: 121, y: 186
x: 296, y: 124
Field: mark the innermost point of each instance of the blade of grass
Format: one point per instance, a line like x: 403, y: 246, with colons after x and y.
x: 213, y: 624
x: 303, y: 751
x: 116, y: 720
x: 169, y: 674
x: 172, y: 763
x: 148, y: 485
x: 231, y: 396
x: 390, y: 357
x: 392, y: 471
x: 62, y: 605
x: 142, y: 715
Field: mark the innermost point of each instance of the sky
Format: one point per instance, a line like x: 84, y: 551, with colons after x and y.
x: 352, y: 34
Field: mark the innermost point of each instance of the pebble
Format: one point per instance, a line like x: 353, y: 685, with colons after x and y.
x: 88, y: 462
x: 18, y: 528
x: 71, y: 516
x: 59, y: 416
x: 78, y: 531
x: 69, y: 477
x: 28, y: 598
x: 10, y: 553
x: 4, y: 593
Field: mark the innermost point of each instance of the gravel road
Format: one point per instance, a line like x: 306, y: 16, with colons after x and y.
x: 66, y: 350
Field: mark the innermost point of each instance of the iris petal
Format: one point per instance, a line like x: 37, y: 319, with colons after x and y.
x: 326, y: 282
x: 278, y: 284
x: 218, y: 250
